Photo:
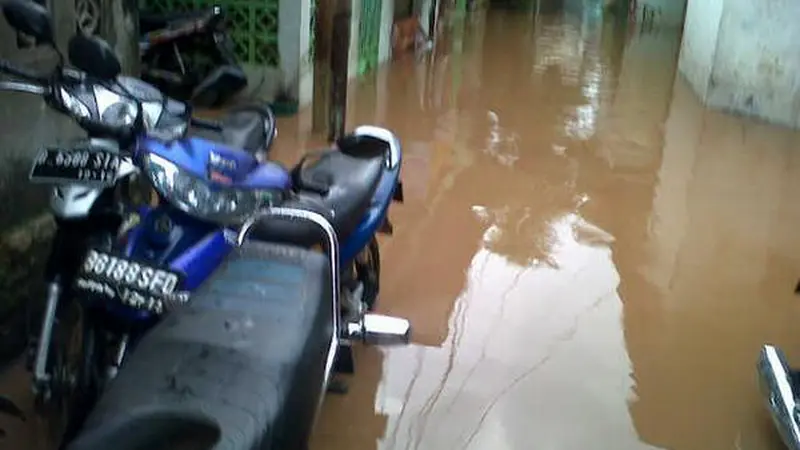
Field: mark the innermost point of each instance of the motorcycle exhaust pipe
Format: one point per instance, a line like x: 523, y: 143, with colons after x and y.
x: 780, y: 393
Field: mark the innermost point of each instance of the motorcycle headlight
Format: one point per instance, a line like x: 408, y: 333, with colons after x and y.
x: 120, y: 114
x: 73, y: 105
x: 199, y: 198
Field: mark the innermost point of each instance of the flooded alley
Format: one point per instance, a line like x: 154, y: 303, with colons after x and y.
x: 590, y: 259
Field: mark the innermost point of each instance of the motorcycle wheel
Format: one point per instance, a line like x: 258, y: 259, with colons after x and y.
x: 368, y: 272
x: 74, y: 382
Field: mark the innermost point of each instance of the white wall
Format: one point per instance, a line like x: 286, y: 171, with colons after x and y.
x: 699, y: 46
x: 742, y: 56
x: 757, y: 63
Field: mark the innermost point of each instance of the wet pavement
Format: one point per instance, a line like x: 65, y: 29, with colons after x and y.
x: 589, y: 258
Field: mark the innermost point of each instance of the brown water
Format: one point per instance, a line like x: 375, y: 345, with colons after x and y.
x: 589, y: 258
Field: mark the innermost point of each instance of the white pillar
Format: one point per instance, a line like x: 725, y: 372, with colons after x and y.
x: 294, y: 39
x: 387, y: 23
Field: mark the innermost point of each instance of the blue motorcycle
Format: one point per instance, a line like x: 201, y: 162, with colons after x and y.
x: 152, y: 222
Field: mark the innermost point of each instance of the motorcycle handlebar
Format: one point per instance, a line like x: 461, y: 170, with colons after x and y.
x: 37, y: 84
x: 19, y: 72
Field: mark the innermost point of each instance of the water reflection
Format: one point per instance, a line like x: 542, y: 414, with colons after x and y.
x: 499, y: 230
x: 589, y: 258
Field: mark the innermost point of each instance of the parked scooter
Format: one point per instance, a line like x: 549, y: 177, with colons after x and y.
x: 190, y: 57
x: 209, y: 197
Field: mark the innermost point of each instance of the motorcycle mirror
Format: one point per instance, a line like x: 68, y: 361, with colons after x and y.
x: 94, y: 56
x: 29, y: 18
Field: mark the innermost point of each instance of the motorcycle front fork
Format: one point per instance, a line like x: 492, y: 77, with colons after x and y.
x: 42, y: 377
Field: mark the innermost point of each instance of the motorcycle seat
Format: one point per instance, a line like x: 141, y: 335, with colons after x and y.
x: 250, y: 128
x: 153, y: 22
x: 244, y: 361
x: 339, y: 184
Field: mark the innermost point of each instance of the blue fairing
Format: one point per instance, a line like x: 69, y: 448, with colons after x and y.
x: 194, y: 154
x: 197, y: 248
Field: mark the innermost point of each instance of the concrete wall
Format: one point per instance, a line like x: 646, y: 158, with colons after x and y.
x: 26, y: 125
x: 757, y: 63
x: 741, y: 56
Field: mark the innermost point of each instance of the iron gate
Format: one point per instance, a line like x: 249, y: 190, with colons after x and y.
x: 253, y: 24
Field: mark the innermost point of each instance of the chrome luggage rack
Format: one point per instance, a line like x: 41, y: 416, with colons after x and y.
x: 371, y: 328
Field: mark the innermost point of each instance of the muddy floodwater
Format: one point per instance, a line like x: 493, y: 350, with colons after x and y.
x: 590, y: 259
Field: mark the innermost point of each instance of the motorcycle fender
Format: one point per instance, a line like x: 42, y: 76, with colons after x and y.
x: 73, y: 201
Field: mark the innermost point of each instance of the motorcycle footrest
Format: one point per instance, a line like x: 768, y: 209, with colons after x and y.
x: 377, y: 329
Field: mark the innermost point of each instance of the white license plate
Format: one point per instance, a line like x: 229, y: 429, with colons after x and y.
x: 134, y: 283
x: 78, y: 165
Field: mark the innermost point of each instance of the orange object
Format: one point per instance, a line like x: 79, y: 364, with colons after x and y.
x: 404, y: 35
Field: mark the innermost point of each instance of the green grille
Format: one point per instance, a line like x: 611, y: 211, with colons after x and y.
x: 369, y: 35
x: 253, y: 24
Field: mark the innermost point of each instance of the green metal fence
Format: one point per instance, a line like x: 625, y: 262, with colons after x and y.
x: 369, y: 35
x: 253, y: 24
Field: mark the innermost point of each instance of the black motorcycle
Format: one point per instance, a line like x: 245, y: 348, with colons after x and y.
x: 190, y: 57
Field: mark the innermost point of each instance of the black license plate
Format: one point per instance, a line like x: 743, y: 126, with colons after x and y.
x: 137, y: 284
x: 78, y: 165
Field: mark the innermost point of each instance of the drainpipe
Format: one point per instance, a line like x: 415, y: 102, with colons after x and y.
x: 340, y: 58
x: 331, y: 57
